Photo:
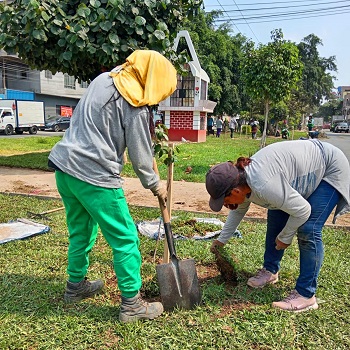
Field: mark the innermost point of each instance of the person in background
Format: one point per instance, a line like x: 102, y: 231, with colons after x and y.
x: 113, y: 114
x: 219, y: 124
x: 254, y: 127
x: 310, y: 123
x: 300, y: 193
x: 210, y: 123
x: 232, y: 126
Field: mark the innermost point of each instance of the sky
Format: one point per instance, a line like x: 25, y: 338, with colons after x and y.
x: 327, y: 19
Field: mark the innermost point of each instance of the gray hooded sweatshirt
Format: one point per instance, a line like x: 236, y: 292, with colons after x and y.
x: 283, y: 175
x: 102, y: 126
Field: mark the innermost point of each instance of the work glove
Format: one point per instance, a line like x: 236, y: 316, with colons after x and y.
x: 161, y: 192
x: 215, y: 245
x: 280, y: 245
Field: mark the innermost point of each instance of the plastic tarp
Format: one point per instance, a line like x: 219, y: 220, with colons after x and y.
x: 21, y: 229
x: 155, y: 229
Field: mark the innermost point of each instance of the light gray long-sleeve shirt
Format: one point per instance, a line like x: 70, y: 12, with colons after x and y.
x: 283, y: 175
x: 102, y: 126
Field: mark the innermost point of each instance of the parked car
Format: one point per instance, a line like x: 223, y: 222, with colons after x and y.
x: 340, y: 127
x: 58, y: 124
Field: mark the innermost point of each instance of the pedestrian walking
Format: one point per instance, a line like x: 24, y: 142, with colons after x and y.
x: 232, y: 126
x: 219, y: 124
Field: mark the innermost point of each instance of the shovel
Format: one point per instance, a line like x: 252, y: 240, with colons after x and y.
x: 178, y: 281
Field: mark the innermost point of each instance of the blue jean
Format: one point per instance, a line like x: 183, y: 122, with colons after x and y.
x: 322, y: 201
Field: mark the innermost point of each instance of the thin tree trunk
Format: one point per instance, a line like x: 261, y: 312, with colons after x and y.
x: 263, y: 138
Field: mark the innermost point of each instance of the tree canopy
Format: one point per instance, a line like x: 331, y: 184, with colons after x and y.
x: 271, y: 71
x: 82, y: 37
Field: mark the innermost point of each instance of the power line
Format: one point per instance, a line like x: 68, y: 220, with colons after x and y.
x: 272, y: 3
x: 247, y: 22
x: 289, y: 19
x: 290, y: 13
x: 228, y: 16
x: 282, y: 7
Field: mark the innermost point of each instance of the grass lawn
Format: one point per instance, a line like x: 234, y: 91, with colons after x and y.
x: 33, y: 315
x: 33, y: 275
x: 33, y: 152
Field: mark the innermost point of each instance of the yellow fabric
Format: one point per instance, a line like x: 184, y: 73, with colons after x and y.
x: 146, y: 78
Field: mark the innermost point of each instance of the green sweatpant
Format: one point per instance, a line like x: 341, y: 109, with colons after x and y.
x: 87, y: 207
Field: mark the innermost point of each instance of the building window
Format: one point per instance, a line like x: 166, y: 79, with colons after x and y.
x: 23, y: 75
x: 84, y: 84
x: 48, y: 74
x: 204, y: 85
x: 184, y: 93
x: 69, y: 81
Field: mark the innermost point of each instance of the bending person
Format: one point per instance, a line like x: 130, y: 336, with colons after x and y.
x: 112, y: 115
x: 300, y: 182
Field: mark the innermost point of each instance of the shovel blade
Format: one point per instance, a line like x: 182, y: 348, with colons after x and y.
x: 189, y: 296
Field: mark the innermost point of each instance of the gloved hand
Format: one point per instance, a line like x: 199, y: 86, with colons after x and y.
x: 215, y: 245
x: 280, y: 245
x: 161, y: 192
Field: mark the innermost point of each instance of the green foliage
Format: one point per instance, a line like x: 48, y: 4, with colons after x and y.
x: 272, y: 70
x: 317, y: 81
x: 332, y: 107
x: 161, y: 146
x: 82, y: 37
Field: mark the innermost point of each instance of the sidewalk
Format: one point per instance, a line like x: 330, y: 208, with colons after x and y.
x: 187, y: 196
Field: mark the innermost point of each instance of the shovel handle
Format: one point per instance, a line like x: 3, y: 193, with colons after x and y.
x: 167, y: 228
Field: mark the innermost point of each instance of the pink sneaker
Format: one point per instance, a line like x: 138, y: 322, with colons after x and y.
x: 296, y: 303
x: 262, y: 278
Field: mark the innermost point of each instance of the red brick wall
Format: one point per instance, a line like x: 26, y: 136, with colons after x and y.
x: 181, y: 120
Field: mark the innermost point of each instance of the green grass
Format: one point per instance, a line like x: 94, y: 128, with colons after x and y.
x: 33, y: 152
x: 33, y: 315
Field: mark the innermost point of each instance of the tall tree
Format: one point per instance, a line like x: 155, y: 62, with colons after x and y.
x: 317, y: 81
x: 271, y: 71
x: 82, y: 37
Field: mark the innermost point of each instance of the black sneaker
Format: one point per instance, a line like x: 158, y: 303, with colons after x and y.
x: 133, y: 309
x: 81, y: 290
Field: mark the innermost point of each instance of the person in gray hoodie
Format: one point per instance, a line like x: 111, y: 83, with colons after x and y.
x: 300, y: 182
x: 113, y: 114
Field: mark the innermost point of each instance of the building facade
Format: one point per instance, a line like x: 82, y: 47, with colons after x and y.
x: 59, y: 92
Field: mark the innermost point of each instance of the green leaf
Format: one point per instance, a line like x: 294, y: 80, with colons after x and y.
x: 80, y: 43
x: 124, y: 48
x: 106, y: 26
x: 162, y: 26
x: 62, y: 42
x: 95, y: 3
x: 45, y: 16
x: 107, y: 49
x: 67, y: 55
x: 57, y: 22
x: 91, y: 49
x: 159, y: 34
x: 139, y: 31
x: 113, y: 38
x: 39, y: 34
x: 140, y: 21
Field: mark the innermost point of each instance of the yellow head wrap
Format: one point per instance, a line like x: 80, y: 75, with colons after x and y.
x: 146, y: 78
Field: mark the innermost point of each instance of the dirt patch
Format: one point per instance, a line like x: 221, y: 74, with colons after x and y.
x: 187, y: 196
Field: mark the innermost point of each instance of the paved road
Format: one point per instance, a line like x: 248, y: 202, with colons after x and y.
x: 341, y: 141
x: 40, y: 133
